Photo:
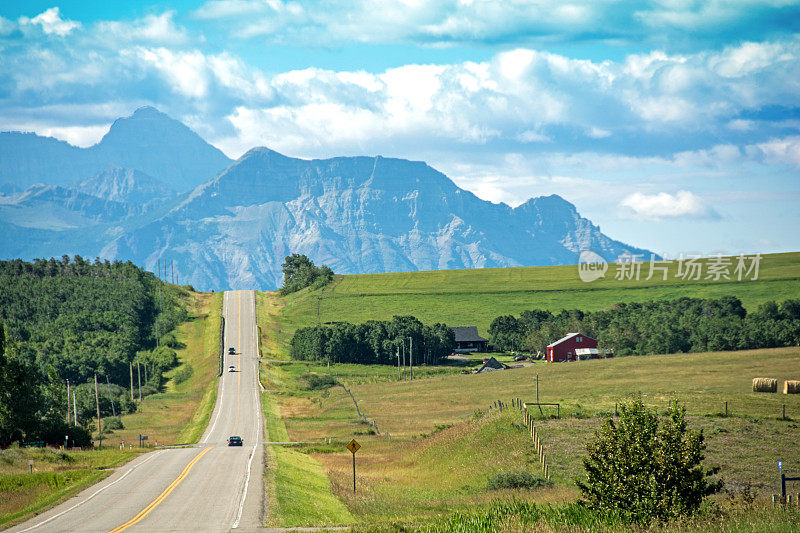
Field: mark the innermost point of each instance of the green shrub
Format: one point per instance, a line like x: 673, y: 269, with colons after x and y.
x: 643, y: 470
x: 516, y: 479
x: 183, y: 373
x: 111, y: 423
x: 320, y: 381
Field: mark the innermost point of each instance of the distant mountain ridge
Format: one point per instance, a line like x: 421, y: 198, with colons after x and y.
x: 356, y: 214
x: 148, y: 141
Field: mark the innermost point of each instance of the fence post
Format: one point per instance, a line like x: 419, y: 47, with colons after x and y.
x: 726, y: 409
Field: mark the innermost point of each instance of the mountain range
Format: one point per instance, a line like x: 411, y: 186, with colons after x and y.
x: 154, y: 190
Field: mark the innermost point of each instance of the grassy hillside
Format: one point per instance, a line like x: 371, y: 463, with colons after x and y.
x: 476, y: 297
x: 446, y: 441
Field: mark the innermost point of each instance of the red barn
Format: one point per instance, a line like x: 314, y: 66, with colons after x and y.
x: 564, y: 349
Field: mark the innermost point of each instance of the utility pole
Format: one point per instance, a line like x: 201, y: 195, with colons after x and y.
x: 403, y: 350
x: 172, y: 266
x: 113, y: 411
x: 68, y: 420
x: 75, y: 408
x: 411, y: 356
x: 131, y: 367
x: 99, y: 421
x: 139, y: 374
x: 399, y: 376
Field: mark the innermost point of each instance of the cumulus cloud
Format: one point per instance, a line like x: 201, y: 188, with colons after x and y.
x: 51, y: 22
x: 683, y: 204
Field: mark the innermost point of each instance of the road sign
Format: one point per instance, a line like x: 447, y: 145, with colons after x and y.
x: 780, y: 464
x: 353, y: 447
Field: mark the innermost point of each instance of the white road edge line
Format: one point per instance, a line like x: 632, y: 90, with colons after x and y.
x: 258, y: 433
x: 218, y: 405
x: 98, y: 491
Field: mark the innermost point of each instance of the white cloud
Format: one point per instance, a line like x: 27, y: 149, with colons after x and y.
x: 521, y: 22
x: 782, y: 151
x: 52, y: 23
x: 186, y: 72
x: 157, y: 29
x: 683, y: 204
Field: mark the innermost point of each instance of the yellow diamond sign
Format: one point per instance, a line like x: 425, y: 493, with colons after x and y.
x: 353, y: 446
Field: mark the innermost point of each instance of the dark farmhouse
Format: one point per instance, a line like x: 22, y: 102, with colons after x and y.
x: 564, y: 349
x: 468, y: 340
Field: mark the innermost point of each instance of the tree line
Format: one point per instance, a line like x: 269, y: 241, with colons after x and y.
x: 657, y: 326
x: 373, y: 342
x: 69, y: 319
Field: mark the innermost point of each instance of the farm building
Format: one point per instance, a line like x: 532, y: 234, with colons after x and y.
x: 491, y: 365
x: 565, y: 349
x: 468, y: 340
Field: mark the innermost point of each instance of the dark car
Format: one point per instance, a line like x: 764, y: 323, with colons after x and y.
x: 231, y: 351
x: 235, y: 440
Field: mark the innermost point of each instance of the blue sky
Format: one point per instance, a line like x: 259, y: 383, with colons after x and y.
x: 674, y: 125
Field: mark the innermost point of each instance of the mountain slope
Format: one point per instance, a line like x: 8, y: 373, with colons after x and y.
x: 356, y: 214
x: 148, y: 141
x: 126, y: 185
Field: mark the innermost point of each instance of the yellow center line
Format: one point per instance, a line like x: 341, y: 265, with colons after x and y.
x: 146, y: 511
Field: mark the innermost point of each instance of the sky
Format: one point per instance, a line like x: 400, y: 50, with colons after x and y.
x: 674, y: 125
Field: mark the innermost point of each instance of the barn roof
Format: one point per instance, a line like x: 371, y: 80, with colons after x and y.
x: 467, y: 334
x: 568, y: 336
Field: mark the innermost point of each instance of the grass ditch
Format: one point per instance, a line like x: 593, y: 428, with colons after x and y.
x: 298, y: 487
x: 57, y: 475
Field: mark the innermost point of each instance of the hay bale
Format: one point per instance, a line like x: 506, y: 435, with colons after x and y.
x: 791, y: 387
x: 765, y: 385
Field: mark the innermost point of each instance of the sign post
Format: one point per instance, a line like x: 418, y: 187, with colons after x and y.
x: 353, y: 447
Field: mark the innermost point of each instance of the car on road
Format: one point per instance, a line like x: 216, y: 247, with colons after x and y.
x: 235, y: 440
x: 231, y: 351
x: 231, y: 368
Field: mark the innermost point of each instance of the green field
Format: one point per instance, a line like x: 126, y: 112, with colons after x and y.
x: 475, y: 297
x: 446, y: 441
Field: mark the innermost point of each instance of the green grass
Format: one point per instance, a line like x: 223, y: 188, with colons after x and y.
x: 446, y: 443
x: 299, y: 491
x: 57, y: 475
x: 179, y: 415
x: 477, y: 296
x: 428, y: 468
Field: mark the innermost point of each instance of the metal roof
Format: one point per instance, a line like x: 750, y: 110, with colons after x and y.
x: 569, y: 336
x: 467, y: 334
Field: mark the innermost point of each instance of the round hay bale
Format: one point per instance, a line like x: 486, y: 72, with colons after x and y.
x: 791, y: 387
x: 765, y: 385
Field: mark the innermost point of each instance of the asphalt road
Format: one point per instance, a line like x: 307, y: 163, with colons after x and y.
x: 207, y: 487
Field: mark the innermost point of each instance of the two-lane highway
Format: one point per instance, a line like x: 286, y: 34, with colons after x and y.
x: 207, y: 487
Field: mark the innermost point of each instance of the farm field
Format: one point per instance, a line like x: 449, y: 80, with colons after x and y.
x: 477, y: 296
x: 446, y: 442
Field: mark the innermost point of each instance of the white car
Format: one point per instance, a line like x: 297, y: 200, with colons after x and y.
x: 231, y: 368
